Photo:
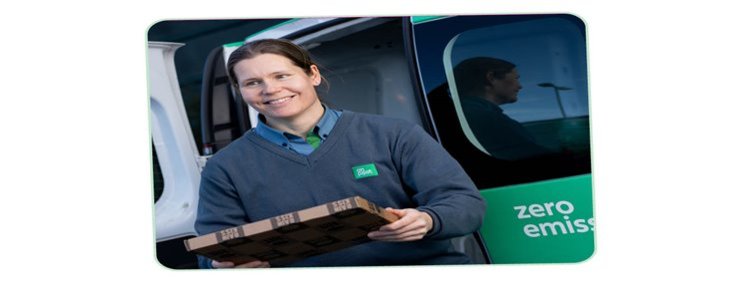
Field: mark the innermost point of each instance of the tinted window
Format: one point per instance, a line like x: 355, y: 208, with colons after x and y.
x: 509, y: 95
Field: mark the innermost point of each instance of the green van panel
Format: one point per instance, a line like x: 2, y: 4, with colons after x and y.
x: 272, y: 27
x: 422, y: 19
x: 233, y: 44
x: 543, y: 222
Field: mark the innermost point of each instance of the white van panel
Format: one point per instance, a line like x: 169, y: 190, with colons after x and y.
x: 175, y: 210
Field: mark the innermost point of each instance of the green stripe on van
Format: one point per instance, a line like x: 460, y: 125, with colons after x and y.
x: 543, y: 222
x: 234, y: 44
x: 422, y: 19
x: 271, y: 28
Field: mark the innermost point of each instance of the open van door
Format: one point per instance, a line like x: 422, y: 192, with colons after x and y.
x: 539, y: 187
x: 175, y: 154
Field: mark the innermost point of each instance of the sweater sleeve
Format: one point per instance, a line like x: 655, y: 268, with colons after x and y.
x: 439, y: 185
x: 219, y: 205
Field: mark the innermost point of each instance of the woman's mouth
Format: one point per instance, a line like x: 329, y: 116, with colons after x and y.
x: 279, y: 101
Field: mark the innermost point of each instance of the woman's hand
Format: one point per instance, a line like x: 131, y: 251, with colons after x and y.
x: 229, y: 264
x: 412, y: 225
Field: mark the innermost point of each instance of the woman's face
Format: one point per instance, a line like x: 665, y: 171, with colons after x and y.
x: 277, y: 88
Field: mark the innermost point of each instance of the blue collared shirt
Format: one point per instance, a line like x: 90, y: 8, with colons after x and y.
x: 296, y: 143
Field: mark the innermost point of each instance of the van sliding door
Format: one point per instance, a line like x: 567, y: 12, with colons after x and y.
x: 508, y: 97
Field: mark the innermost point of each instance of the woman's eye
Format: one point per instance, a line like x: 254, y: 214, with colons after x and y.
x: 251, y: 83
x: 282, y: 76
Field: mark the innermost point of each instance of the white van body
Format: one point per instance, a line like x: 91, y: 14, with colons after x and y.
x: 176, y: 151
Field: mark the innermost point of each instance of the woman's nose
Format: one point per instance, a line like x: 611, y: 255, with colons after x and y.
x: 271, y: 87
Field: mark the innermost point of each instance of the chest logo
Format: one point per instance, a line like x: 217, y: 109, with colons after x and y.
x: 365, y: 171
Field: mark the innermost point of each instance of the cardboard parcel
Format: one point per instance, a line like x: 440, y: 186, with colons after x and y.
x: 296, y: 235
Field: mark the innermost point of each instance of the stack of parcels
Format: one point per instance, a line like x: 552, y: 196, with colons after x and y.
x: 293, y: 236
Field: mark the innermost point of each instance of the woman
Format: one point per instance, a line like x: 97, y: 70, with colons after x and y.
x: 303, y: 154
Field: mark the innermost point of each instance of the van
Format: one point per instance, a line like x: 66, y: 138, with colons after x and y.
x: 533, y: 170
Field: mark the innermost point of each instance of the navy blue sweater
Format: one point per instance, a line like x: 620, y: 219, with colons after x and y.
x: 253, y: 179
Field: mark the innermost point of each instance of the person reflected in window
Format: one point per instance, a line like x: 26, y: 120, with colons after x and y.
x: 483, y: 84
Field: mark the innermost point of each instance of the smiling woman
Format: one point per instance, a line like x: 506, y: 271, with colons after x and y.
x: 316, y: 154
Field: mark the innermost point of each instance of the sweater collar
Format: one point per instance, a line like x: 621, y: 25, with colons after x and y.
x: 322, y: 129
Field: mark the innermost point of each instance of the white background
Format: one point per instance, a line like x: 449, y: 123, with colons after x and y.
x: 76, y: 185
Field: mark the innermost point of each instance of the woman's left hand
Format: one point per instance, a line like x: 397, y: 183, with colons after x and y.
x: 412, y: 225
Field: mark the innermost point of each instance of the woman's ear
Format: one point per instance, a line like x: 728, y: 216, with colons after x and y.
x: 316, y: 77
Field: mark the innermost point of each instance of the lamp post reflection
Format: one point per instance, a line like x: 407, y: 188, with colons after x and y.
x: 558, y: 96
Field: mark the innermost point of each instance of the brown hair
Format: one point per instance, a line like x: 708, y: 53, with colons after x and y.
x: 471, y: 74
x: 298, y: 55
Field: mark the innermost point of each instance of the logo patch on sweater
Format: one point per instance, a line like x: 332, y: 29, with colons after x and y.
x: 365, y: 171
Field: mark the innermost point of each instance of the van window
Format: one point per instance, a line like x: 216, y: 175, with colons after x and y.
x: 509, y: 95
x: 520, y: 89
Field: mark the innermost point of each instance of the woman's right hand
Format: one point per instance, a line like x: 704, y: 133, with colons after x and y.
x: 229, y: 264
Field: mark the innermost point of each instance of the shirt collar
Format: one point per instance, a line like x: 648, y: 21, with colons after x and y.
x: 322, y: 129
x: 326, y: 123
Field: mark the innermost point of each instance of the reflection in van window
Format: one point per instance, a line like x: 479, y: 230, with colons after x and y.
x: 520, y: 89
x: 483, y: 85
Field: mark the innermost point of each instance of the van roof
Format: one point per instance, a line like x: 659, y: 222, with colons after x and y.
x: 282, y: 29
x: 297, y: 24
